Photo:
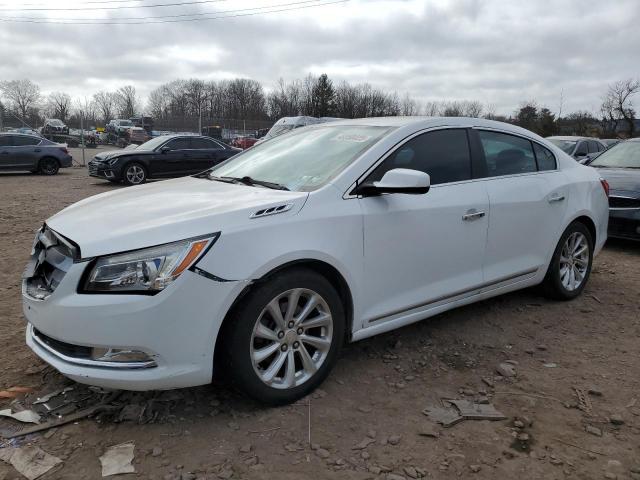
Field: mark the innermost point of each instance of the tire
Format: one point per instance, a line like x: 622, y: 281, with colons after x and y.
x: 566, y: 279
x: 252, y: 332
x: 134, y: 173
x: 48, y: 166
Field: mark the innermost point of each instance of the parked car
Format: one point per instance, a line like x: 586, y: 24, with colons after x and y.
x: 266, y: 264
x: 160, y: 157
x: 620, y: 166
x: 610, y: 142
x: 118, y: 127
x: 286, y: 124
x: 143, y: 122
x: 243, y: 142
x: 137, y: 135
x: 583, y: 149
x: 32, y: 153
x: 54, y: 126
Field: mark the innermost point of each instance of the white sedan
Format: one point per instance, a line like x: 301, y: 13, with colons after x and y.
x: 265, y: 265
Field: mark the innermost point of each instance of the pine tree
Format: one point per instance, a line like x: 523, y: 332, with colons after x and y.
x: 323, y: 97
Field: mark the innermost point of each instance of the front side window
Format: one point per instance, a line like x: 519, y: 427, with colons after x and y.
x: 506, y: 154
x: 443, y: 154
x: 546, y: 160
x: 593, y: 146
x: 179, y: 144
x: 305, y: 159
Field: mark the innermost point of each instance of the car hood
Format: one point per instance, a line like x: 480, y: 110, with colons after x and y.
x: 111, y: 154
x: 622, y: 180
x: 163, y: 212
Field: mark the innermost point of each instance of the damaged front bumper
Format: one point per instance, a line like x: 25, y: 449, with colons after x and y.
x: 102, y: 170
x: 129, y: 342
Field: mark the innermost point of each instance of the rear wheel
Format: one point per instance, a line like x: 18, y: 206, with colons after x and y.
x: 570, y: 266
x: 134, y: 174
x: 285, y: 337
x: 48, y: 166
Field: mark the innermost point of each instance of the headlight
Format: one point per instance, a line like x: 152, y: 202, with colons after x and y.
x: 146, y: 271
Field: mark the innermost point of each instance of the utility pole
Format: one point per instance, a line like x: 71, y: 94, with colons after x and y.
x: 82, y: 136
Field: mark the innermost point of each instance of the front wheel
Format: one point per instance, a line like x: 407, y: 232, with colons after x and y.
x: 134, y: 174
x: 285, y: 337
x: 571, y: 264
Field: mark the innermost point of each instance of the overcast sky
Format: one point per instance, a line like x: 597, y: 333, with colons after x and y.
x: 500, y: 52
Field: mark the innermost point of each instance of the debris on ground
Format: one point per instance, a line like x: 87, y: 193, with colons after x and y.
x: 117, y: 460
x: 14, y: 392
x: 584, y: 402
x: 30, y: 461
x: 506, y: 370
x: 455, y: 411
x: 25, y: 416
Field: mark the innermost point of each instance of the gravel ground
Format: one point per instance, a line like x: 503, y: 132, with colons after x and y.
x: 367, y: 421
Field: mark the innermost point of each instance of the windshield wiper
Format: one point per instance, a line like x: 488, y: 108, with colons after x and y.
x: 246, y: 180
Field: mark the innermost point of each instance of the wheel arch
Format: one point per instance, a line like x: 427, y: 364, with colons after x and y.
x: 588, y: 222
x: 321, y: 267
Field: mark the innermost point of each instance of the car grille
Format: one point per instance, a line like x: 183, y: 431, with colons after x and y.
x: 624, y: 202
x: 66, y: 349
x: 51, y: 258
x: 93, y: 169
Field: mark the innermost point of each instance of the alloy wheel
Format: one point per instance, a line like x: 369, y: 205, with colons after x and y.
x: 135, y: 174
x: 49, y: 166
x: 574, y: 261
x: 291, y: 338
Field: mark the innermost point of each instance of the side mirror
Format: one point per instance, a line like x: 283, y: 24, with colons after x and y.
x: 165, y: 149
x: 398, y: 180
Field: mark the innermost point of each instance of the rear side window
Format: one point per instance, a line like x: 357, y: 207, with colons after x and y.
x: 443, y: 154
x: 21, y: 141
x: 546, y: 160
x: 202, y: 143
x: 507, y: 154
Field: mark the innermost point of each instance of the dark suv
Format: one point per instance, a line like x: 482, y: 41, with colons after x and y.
x: 32, y: 153
x: 165, y: 156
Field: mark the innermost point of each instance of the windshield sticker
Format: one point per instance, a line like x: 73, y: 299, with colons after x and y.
x: 351, y: 138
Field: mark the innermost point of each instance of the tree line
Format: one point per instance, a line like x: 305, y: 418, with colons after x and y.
x: 183, y: 101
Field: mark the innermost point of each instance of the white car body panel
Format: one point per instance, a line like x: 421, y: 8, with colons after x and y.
x: 403, y: 258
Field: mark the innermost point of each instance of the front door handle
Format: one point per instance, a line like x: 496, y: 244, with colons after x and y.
x: 472, y: 215
x: 556, y: 198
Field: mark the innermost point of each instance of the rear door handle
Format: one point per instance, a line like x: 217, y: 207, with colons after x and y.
x: 472, y: 215
x: 556, y: 198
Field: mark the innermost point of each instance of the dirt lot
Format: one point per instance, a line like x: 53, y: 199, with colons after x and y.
x: 379, y: 388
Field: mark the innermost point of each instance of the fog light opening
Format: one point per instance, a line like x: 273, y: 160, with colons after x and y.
x: 116, y: 355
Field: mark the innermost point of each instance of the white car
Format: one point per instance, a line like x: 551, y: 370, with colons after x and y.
x: 263, y: 266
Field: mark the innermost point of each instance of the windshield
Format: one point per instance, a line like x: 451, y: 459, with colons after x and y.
x: 278, y: 130
x: 622, y: 155
x: 567, y: 146
x: 126, y: 123
x: 154, y: 143
x: 305, y: 159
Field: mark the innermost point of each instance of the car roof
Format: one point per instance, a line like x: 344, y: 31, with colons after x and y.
x: 418, y: 122
x: 571, y: 138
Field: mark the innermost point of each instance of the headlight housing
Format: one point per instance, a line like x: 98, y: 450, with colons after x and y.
x: 146, y: 271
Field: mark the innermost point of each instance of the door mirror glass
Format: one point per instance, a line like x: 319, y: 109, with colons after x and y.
x: 165, y: 149
x: 398, y: 180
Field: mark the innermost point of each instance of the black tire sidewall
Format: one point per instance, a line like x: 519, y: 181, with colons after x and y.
x: 237, y: 335
x: 48, y: 160
x: 552, y: 283
x: 127, y: 167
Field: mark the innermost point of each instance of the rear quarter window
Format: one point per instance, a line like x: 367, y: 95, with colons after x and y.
x: 545, y: 158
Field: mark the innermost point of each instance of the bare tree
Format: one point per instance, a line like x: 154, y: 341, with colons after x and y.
x: 59, y: 105
x: 408, y: 106
x: 617, y: 105
x: 85, y: 109
x: 473, y: 108
x: 23, y: 95
x: 127, y: 101
x: 431, y: 109
x: 105, y: 105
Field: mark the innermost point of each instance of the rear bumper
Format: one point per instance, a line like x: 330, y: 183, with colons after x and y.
x: 66, y: 161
